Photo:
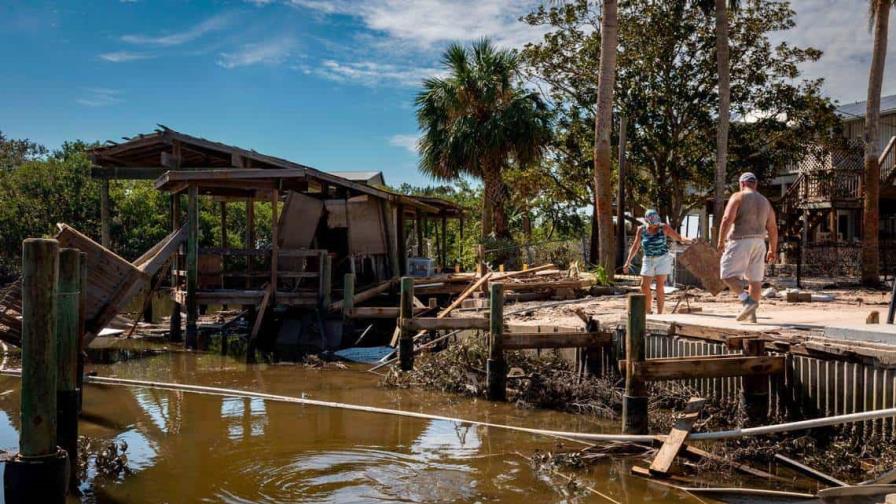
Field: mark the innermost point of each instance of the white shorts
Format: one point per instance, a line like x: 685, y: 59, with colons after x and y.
x: 657, y: 265
x: 744, y: 259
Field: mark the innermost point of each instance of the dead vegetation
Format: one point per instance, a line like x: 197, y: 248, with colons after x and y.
x: 547, y: 381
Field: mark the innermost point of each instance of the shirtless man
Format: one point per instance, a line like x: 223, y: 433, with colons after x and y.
x: 748, y: 217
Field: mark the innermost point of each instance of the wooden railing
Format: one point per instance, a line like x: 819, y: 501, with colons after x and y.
x: 830, y: 185
x: 887, y: 162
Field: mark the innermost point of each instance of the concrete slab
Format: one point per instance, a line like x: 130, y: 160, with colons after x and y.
x: 859, y: 331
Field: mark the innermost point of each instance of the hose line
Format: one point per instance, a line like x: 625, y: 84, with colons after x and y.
x: 727, y: 434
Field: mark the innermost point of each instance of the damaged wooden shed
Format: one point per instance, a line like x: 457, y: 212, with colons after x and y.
x: 324, y: 225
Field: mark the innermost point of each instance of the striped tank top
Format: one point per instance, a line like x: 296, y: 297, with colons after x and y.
x: 654, y: 245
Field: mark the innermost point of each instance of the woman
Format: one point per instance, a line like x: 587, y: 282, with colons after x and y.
x: 657, y: 263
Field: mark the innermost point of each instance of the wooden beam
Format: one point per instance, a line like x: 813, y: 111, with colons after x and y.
x: 682, y: 368
x: 812, y: 473
x: 256, y: 326
x: 275, y: 242
x: 105, y: 215
x: 679, y: 433
x: 520, y: 341
x: 438, y: 324
x: 192, y: 266
x: 366, y: 295
x: 384, y: 312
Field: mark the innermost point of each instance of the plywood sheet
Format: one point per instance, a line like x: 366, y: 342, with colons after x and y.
x: 298, y: 221
x: 702, y: 260
x: 366, y: 230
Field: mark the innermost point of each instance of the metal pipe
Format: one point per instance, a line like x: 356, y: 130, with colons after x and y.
x: 734, y: 433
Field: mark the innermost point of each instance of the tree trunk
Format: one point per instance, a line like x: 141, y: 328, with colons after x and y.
x: 724, y: 115
x: 487, y: 212
x: 603, y: 126
x: 870, y: 250
x: 593, y: 247
x: 495, y: 201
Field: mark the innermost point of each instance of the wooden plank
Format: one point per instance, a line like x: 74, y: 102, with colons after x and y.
x: 808, y: 471
x: 256, y: 327
x: 366, y: 294
x: 439, y: 324
x: 744, y: 468
x: 526, y: 340
x: 683, y: 368
x: 387, y: 312
x: 702, y: 260
x: 150, y: 265
x: 677, y: 436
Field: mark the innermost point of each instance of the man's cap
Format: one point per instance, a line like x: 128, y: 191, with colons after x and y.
x: 652, y: 217
x: 748, y: 177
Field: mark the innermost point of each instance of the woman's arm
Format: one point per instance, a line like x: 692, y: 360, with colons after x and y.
x: 674, y: 234
x: 636, y: 245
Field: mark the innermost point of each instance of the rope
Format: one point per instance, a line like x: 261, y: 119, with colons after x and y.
x: 734, y: 433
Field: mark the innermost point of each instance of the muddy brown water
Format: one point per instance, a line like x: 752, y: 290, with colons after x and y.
x: 184, y: 447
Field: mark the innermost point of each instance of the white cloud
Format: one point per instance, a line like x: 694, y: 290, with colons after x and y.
x: 428, y: 23
x: 211, y: 24
x: 408, y: 142
x: 840, y: 29
x: 371, y: 73
x: 270, y: 52
x: 124, y: 56
x: 100, y: 97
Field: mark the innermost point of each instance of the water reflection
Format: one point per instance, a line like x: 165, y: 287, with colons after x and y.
x: 195, y: 448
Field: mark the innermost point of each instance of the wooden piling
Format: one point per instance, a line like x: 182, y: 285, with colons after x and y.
x: 634, y: 401
x: 192, y: 266
x: 38, y: 473
x: 40, y: 267
x: 174, y: 329
x: 754, y: 391
x: 406, y: 336
x: 496, y: 368
x: 68, y: 300
x: 82, y: 329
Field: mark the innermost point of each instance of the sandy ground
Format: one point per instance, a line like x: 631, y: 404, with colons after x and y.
x: 849, y: 305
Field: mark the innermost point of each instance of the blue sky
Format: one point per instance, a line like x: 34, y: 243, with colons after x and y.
x: 325, y: 83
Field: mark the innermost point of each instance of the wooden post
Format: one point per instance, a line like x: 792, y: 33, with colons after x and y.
x: 634, y: 401
x: 174, y: 330
x: 275, y: 245
x: 250, y: 239
x: 326, y: 282
x: 68, y: 301
x: 460, y: 243
x: 406, y: 337
x: 754, y: 394
x: 402, y: 241
x: 82, y: 328
x: 348, y: 294
x: 495, y: 367
x: 192, y: 266
x: 105, y: 215
x: 224, y: 240
x: 38, y: 473
x: 420, y: 222
x: 444, y: 248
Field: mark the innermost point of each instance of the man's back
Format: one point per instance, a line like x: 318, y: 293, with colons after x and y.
x: 752, y: 215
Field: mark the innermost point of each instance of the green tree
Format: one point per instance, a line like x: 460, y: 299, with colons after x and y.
x: 666, y: 74
x: 14, y: 153
x: 879, y: 20
x: 477, y: 121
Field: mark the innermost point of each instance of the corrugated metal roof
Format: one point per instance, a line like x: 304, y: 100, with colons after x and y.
x: 857, y: 109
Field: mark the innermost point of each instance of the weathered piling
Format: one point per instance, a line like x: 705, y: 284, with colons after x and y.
x: 192, y: 267
x: 38, y: 473
x: 348, y: 302
x: 406, y: 335
x: 68, y: 300
x: 175, y: 335
x: 82, y: 330
x: 754, y: 392
x: 634, y: 401
x: 496, y: 367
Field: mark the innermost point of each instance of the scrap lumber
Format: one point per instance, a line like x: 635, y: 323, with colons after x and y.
x: 744, y: 468
x: 702, y: 260
x: 259, y: 318
x: 677, y: 436
x: 443, y: 324
x: 718, y: 366
x: 884, y: 479
x: 808, y: 471
x: 366, y: 295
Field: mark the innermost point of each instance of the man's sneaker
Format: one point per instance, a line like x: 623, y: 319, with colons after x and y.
x: 749, y: 311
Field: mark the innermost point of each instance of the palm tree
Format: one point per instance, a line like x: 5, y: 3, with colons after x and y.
x: 879, y: 17
x: 476, y: 121
x: 603, y: 127
x: 720, y: 9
